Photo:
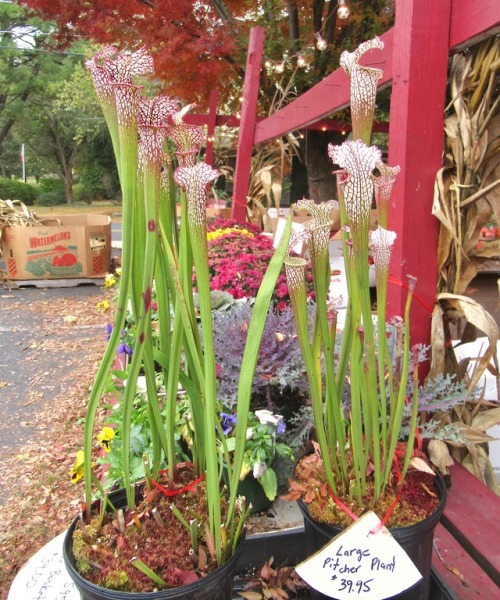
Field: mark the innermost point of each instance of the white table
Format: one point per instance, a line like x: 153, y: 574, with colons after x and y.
x: 44, y: 576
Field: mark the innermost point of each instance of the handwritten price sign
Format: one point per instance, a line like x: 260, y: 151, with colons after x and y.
x: 360, y: 564
x: 44, y: 577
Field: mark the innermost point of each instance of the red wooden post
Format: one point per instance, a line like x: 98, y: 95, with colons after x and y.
x: 247, y: 123
x: 211, y: 122
x: 416, y: 144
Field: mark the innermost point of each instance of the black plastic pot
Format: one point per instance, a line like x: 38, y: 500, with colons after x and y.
x: 416, y: 540
x: 253, y: 492
x: 217, y: 586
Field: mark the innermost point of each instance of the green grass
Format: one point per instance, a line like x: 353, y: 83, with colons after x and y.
x: 97, y: 207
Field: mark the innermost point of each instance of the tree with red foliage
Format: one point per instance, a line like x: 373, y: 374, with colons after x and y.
x: 196, y: 46
x: 201, y: 46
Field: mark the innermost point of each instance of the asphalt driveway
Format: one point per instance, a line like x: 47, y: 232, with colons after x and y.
x: 44, y: 336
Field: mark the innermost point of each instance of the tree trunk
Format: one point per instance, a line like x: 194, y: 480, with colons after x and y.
x: 314, y: 151
x: 68, y: 187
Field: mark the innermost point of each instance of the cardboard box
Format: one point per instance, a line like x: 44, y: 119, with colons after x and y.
x: 72, y: 246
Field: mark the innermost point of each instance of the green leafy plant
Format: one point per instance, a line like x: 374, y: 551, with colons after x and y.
x: 11, y: 189
x: 51, y: 192
x: 262, y: 447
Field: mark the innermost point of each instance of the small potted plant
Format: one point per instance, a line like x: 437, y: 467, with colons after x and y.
x: 360, y: 382
x: 259, y: 483
x: 178, y: 534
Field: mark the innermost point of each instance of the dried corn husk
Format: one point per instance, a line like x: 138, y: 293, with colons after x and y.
x: 467, y: 189
x: 473, y: 418
x: 271, y: 163
x: 14, y: 213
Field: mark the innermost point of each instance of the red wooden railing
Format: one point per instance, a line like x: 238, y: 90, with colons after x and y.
x: 414, y: 61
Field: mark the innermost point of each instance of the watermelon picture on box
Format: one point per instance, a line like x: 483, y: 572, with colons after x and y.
x: 61, y: 261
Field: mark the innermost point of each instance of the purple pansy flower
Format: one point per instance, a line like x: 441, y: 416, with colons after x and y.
x: 280, y: 428
x: 124, y: 348
x: 227, y: 422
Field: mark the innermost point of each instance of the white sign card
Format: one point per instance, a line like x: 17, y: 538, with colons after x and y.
x: 297, y: 227
x: 360, y: 564
x: 44, y: 576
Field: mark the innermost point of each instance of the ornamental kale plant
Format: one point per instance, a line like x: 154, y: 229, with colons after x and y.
x: 280, y: 360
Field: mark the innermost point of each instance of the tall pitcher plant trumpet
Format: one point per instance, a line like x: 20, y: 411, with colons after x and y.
x: 357, y: 442
x: 159, y: 256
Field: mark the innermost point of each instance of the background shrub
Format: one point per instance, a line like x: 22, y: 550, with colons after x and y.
x: 51, y: 192
x: 11, y: 189
x: 96, y: 183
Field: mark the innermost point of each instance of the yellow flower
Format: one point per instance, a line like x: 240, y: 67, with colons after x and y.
x: 76, y: 472
x: 213, y: 235
x: 103, y: 306
x: 246, y: 468
x: 110, y: 280
x: 118, y: 271
x: 105, y: 436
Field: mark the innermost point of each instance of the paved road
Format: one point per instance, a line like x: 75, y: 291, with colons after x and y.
x: 43, y: 333
x: 116, y: 235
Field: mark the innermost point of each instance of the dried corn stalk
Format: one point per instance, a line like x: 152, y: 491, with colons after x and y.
x: 464, y: 427
x: 14, y: 212
x: 467, y: 189
x: 467, y: 196
x: 272, y: 162
x: 10, y: 215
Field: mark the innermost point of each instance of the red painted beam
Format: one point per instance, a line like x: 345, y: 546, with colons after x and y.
x: 416, y: 128
x: 220, y: 120
x: 473, y: 21
x: 327, y: 97
x: 461, y: 576
x: 472, y: 516
x: 322, y: 124
x: 333, y: 125
x: 247, y: 124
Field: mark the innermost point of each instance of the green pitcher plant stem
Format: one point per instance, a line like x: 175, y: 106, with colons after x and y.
x: 358, y: 387
x: 160, y: 172
x: 121, y: 114
x: 250, y: 356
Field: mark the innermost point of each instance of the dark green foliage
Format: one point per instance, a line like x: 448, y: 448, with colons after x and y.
x: 97, y: 172
x: 11, y: 189
x: 51, y: 192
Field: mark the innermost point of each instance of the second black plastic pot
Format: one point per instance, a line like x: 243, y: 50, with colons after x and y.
x: 416, y: 540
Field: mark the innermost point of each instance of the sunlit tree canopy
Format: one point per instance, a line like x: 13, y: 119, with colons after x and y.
x: 201, y: 46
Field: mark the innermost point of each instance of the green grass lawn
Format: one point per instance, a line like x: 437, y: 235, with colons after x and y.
x: 96, y: 207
